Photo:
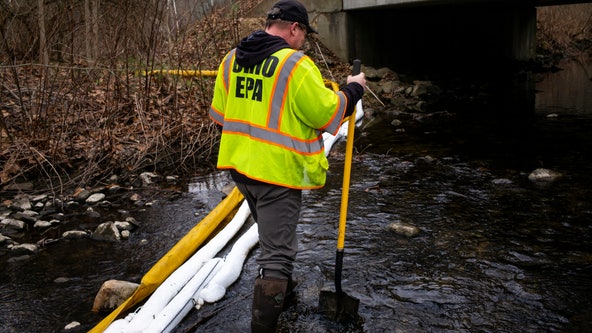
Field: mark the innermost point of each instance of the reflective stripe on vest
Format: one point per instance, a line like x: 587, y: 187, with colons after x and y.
x: 227, y: 68
x: 282, y: 80
x: 263, y: 134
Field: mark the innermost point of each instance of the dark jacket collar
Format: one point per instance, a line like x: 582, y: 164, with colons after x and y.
x: 259, y: 45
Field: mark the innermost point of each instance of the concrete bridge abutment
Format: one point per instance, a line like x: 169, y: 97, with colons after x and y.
x: 328, y: 17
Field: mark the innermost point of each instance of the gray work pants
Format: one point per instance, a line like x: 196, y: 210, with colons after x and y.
x: 276, y: 210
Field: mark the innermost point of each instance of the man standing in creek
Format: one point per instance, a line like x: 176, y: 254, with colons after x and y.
x: 273, y: 106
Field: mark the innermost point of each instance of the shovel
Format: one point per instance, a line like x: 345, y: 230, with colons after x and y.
x: 338, y: 305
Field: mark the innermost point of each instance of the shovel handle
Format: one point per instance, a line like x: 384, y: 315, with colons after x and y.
x: 357, y: 67
x: 349, y: 147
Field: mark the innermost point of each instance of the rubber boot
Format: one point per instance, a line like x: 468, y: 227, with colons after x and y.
x: 268, y: 302
x: 291, y: 294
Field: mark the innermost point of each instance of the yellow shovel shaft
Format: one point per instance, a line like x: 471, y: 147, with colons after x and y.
x: 349, y: 149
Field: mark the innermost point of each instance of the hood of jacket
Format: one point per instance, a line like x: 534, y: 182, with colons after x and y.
x: 259, y: 45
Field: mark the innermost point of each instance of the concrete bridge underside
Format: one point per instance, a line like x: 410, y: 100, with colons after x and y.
x: 423, y: 35
x: 447, y: 38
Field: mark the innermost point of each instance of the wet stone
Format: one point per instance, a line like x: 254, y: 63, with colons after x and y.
x: 82, y: 195
x: 72, y: 204
x: 24, y: 249
x: 40, y: 197
x: 27, y: 216
x: 61, y: 280
x: 75, y: 234
x: 501, y: 181
x: 106, y: 231
x: 42, y: 224
x: 94, y: 198
x: 71, y: 325
x: 121, y: 225
x: 14, y: 224
x: 132, y: 220
x: 403, y: 229
x: 92, y: 213
x: 21, y: 203
x: 114, y: 188
x: 544, y: 175
x: 112, y: 294
x: 5, y: 239
x: 105, y: 204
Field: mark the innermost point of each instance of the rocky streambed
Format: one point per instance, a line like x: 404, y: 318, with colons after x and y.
x: 31, y: 222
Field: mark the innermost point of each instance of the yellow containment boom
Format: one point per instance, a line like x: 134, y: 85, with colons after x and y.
x: 177, y: 255
x: 180, y: 72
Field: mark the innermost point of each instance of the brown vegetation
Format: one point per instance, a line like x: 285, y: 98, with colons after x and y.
x: 564, y: 30
x: 77, y: 108
x: 85, y: 110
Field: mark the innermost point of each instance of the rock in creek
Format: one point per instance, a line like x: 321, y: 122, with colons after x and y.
x: 71, y: 325
x: 40, y: 224
x: 112, y: 294
x: 404, y: 229
x: 75, y: 234
x: 26, y: 215
x: 544, y: 175
x: 24, y: 249
x: 13, y: 224
x: 107, y: 232
x: 5, y: 239
x: 94, y: 198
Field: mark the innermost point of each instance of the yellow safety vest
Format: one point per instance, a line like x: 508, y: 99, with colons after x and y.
x: 273, y: 116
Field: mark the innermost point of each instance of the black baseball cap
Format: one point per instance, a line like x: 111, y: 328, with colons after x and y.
x: 290, y: 10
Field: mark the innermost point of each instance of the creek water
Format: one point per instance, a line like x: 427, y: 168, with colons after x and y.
x: 495, y: 252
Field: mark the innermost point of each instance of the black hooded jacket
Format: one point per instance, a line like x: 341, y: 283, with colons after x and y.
x: 259, y: 45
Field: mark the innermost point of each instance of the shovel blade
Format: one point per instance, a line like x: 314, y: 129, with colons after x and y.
x: 339, y: 306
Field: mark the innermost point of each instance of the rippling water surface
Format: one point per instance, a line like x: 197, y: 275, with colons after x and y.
x: 495, y: 252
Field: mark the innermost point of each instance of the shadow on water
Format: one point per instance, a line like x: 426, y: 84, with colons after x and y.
x: 495, y: 252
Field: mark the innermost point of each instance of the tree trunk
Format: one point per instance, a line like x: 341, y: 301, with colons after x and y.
x: 43, y: 54
x: 87, y: 31
x: 95, y: 28
x: 91, y: 30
